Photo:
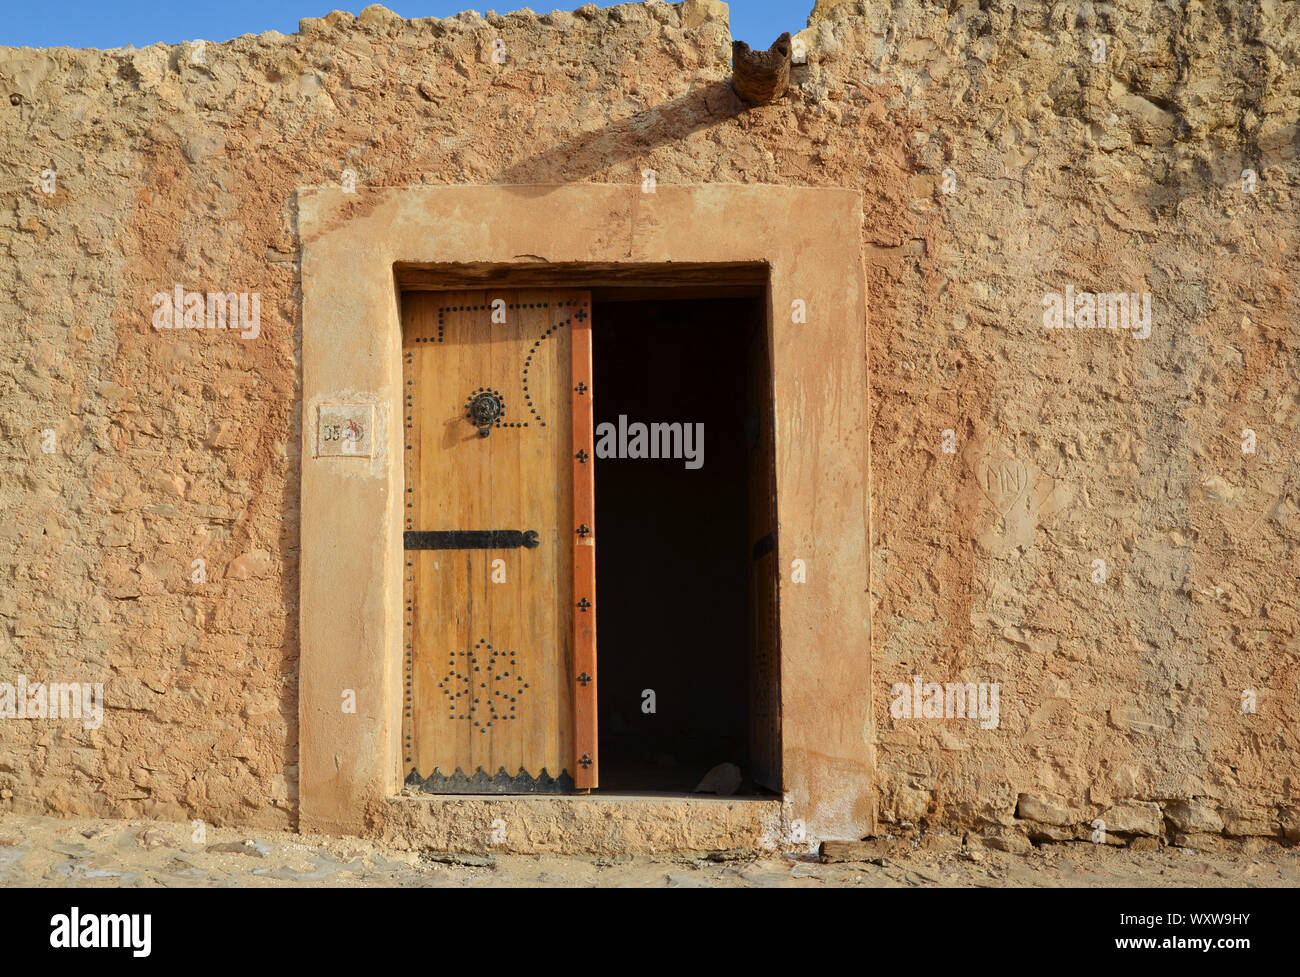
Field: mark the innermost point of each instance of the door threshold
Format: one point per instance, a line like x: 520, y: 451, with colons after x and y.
x: 595, y: 796
x: 599, y: 823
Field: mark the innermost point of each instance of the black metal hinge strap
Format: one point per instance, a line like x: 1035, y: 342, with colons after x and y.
x: 470, y: 539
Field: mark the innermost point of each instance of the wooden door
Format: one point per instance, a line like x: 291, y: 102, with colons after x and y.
x: 499, y: 677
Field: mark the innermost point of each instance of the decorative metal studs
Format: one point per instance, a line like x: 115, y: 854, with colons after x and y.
x: 501, y: 686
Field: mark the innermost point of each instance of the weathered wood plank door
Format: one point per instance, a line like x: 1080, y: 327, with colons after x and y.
x: 499, y: 678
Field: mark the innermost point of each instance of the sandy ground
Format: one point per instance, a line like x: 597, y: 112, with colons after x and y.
x: 95, y: 853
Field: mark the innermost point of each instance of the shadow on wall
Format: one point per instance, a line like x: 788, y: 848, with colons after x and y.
x: 630, y: 138
x: 290, y: 546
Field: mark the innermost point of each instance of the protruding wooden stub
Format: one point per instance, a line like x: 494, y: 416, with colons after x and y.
x: 761, y: 77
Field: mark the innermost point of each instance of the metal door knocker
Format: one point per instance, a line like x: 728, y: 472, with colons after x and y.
x: 484, y: 408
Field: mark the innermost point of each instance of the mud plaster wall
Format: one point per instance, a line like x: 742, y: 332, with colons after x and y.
x: 1120, y: 700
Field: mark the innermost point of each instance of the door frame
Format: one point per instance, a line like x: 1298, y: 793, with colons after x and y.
x: 361, y: 250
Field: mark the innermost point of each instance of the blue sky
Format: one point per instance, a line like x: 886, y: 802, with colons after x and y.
x: 116, y: 23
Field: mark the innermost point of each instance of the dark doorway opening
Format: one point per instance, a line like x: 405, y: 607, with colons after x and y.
x: 684, y: 561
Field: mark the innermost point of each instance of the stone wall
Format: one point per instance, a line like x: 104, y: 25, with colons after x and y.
x: 1002, y: 155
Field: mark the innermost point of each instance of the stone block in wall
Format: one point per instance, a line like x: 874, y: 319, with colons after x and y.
x: 1201, y: 841
x: 1045, y: 809
x: 1133, y: 818
x: 1000, y: 839
x: 1250, y: 822
x: 1193, y: 816
x: 1037, y: 831
x: 1290, y: 821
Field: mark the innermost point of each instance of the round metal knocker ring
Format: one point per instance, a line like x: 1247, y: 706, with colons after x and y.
x: 484, y: 408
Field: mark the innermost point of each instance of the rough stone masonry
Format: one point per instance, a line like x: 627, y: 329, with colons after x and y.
x: 1106, y: 526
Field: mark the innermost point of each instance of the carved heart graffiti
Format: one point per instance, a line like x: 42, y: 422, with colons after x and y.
x: 1002, y: 480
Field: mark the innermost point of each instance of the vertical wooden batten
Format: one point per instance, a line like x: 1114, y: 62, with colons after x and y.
x: 586, y: 768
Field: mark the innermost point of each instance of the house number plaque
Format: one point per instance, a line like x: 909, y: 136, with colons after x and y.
x: 344, y: 430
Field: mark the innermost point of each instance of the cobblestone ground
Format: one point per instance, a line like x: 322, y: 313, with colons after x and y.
x: 95, y: 853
